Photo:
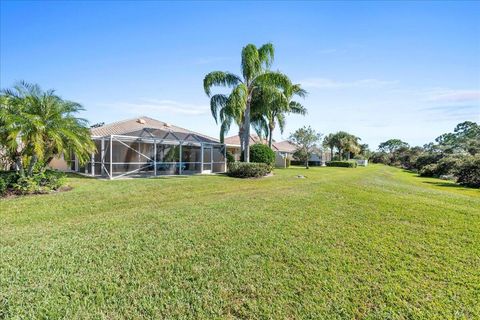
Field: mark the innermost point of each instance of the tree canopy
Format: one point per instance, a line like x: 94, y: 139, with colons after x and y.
x: 305, y: 139
x: 258, y: 97
x: 344, y: 142
x: 37, y: 125
x: 392, y: 145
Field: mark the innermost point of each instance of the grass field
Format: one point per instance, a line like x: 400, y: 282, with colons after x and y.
x: 376, y: 243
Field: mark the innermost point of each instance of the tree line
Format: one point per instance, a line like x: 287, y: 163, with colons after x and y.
x: 454, y: 155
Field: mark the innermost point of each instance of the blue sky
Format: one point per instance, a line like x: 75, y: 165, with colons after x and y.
x: 408, y: 70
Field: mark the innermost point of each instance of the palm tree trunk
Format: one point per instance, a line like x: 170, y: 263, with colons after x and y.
x: 246, y: 151
x: 19, y: 165
x: 270, y: 134
x: 242, y: 141
x: 33, y: 161
x: 331, y: 154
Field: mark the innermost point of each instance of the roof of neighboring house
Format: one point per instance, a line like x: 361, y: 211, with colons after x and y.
x: 235, y: 140
x: 149, y: 127
x: 284, y: 146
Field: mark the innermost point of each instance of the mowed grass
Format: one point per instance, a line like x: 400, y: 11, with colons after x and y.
x: 374, y: 243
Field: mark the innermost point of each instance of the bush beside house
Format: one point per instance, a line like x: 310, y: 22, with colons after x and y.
x: 261, y: 153
x: 41, y: 182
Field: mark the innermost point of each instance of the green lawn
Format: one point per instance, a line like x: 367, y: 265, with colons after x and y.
x: 376, y: 243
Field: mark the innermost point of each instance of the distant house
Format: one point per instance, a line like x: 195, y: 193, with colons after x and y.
x: 233, y: 144
x: 284, y: 150
x: 149, y: 147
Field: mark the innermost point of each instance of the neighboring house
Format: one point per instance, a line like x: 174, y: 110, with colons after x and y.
x: 283, y: 150
x: 319, y: 157
x: 233, y: 144
x: 148, y: 147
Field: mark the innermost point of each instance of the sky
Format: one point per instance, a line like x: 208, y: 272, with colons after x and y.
x: 379, y: 70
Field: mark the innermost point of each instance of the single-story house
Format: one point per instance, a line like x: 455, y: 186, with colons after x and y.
x: 283, y: 150
x: 234, y: 147
x: 148, y: 147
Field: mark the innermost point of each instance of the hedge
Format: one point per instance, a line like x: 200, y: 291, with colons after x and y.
x: 345, y: 164
x: 248, y: 170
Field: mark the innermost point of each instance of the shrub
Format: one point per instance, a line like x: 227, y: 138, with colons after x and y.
x: 428, y: 170
x: 261, y: 153
x: 50, y: 179
x: 380, y: 157
x: 230, y: 157
x: 9, y: 177
x: 288, y: 162
x: 346, y: 164
x: 42, y: 182
x: 468, y: 172
x: 3, y: 186
x: 27, y: 185
x: 444, y: 167
x: 426, y: 159
x: 248, y: 170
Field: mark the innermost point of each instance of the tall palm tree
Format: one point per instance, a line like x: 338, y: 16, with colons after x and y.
x: 37, y: 125
x: 237, y: 106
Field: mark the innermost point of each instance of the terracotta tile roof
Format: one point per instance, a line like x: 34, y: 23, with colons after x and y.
x: 235, y: 140
x: 141, y: 126
x: 284, y: 146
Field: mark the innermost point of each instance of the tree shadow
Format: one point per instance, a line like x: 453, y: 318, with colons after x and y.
x: 445, y: 184
x: 442, y: 183
x: 78, y: 176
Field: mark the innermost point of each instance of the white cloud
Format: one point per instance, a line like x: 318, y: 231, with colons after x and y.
x: 454, y: 112
x: 153, y: 106
x: 448, y: 95
x: 325, y: 83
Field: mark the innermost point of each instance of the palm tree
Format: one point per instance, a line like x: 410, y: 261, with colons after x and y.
x: 36, y: 126
x: 275, y: 105
x: 237, y: 106
x: 344, y: 142
x: 329, y: 141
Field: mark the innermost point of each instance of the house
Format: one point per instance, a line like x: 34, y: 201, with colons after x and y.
x: 233, y: 144
x: 149, y: 147
x: 284, y: 151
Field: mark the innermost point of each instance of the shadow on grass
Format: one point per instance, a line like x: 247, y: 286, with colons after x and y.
x: 165, y: 177
x: 78, y: 176
x: 439, y: 183
x: 445, y: 184
x: 186, y: 176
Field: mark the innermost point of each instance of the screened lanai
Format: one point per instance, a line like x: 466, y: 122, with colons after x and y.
x: 148, y: 147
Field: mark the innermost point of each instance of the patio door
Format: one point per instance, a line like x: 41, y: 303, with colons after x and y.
x: 207, y: 159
